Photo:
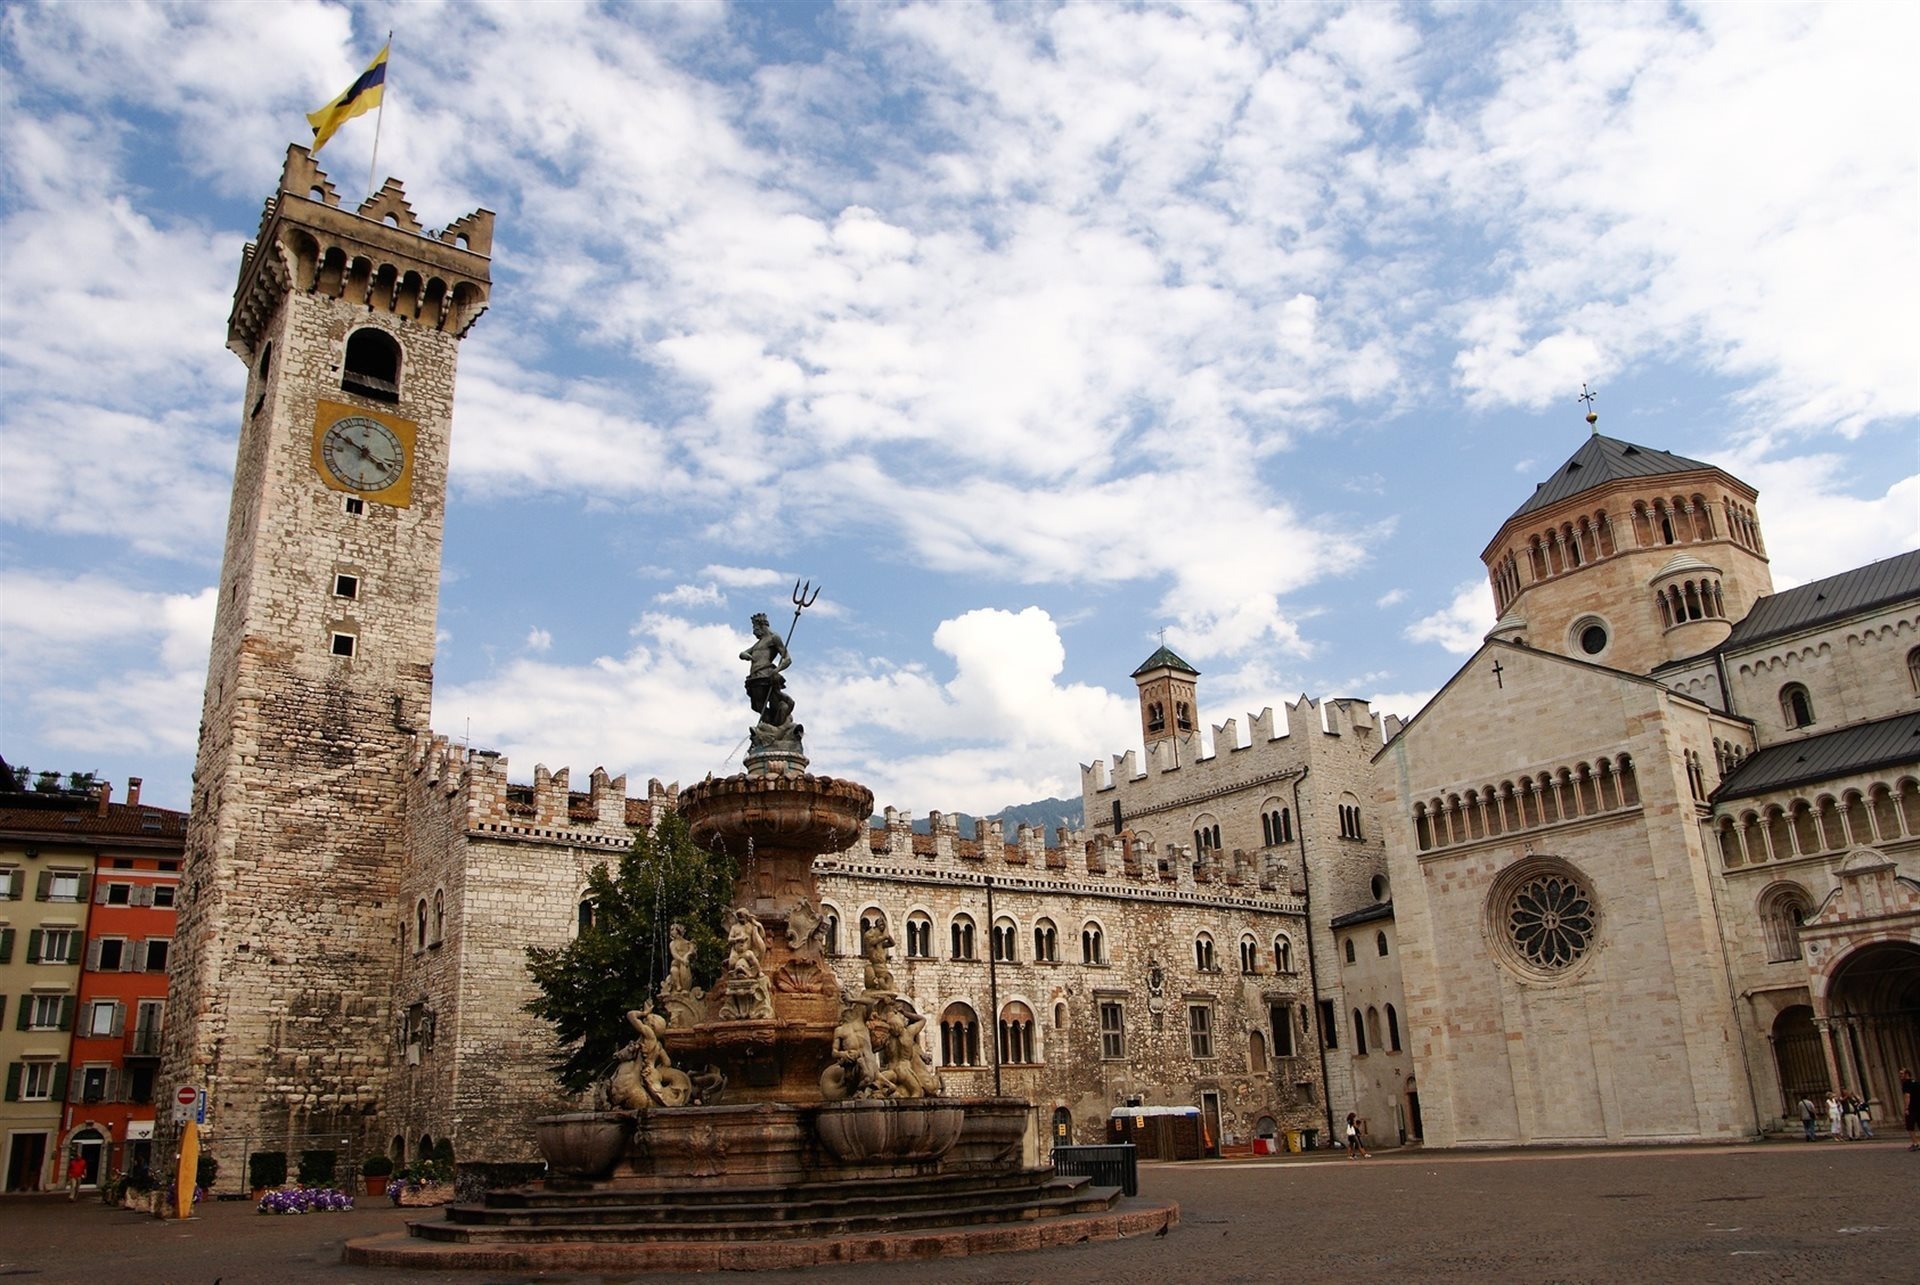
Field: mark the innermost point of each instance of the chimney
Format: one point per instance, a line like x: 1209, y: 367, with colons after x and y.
x: 106, y: 796
x: 133, y: 790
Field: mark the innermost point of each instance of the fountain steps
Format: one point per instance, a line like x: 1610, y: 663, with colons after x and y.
x: 837, y: 1193
x: 690, y: 1223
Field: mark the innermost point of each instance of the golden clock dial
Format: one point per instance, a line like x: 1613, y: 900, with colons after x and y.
x: 363, y: 454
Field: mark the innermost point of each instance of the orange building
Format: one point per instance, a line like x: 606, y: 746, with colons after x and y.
x: 87, y: 894
x: 109, y: 1115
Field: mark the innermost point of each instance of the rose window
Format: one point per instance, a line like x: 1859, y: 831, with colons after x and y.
x: 1550, y: 921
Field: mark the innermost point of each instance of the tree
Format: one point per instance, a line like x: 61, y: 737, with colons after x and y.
x: 619, y: 957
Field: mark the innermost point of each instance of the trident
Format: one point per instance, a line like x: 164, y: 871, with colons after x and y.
x: 804, y: 596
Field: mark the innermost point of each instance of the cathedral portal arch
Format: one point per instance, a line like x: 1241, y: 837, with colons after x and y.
x: 1870, y: 1017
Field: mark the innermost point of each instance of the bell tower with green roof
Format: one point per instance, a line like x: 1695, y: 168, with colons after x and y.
x: 1168, y: 706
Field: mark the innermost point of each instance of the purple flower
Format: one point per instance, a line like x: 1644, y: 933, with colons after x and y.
x: 305, y: 1200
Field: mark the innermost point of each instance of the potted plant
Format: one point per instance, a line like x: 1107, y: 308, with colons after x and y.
x: 266, y: 1169
x: 317, y: 1167
x: 136, y: 1188
x: 375, y: 1170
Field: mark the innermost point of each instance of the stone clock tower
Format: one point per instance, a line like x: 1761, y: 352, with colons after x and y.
x: 322, y: 665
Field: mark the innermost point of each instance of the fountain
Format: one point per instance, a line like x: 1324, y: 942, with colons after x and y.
x: 774, y: 1120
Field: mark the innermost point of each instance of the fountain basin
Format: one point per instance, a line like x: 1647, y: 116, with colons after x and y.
x: 889, y: 1130
x: 814, y: 813
x: 584, y: 1144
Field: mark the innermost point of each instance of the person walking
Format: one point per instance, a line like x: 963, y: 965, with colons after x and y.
x: 1866, y: 1118
x: 1807, y: 1116
x: 1910, y: 1095
x: 1833, y: 1117
x: 1356, y: 1150
x: 76, y: 1173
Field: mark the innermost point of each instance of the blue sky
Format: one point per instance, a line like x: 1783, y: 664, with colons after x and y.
x: 1028, y: 331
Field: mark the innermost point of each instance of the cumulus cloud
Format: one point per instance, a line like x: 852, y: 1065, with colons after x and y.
x: 1461, y: 626
x: 1769, y: 232
x: 1078, y: 305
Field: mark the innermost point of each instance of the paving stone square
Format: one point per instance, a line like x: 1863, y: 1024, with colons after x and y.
x: 1779, y: 1211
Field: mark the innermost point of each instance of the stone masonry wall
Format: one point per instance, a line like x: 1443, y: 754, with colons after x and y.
x: 281, y: 973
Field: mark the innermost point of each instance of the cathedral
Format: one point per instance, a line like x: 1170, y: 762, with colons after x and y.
x: 1644, y: 869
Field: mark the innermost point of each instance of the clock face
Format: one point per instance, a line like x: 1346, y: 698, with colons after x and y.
x: 363, y: 453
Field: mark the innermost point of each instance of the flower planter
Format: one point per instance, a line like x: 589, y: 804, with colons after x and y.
x: 376, y: 1184
x: 434, y: 1193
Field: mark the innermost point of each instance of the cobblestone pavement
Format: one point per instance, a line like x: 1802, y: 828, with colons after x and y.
x: 1825, y: 1212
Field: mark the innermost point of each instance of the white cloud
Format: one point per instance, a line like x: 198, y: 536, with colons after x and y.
x: 691, y: 595
x: 1391, y: 598
x: 743, y: 577
x: 539, y: 640
x: 1462, y: 625
x: 1742, y: 187
x: 142, y: 693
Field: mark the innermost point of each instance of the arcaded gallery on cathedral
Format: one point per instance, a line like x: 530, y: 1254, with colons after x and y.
x: 1646, y: 868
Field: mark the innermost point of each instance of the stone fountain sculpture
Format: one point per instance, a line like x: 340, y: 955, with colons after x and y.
x: 774, y: 1096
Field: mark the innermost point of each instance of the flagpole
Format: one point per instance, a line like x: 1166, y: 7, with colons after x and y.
x: 380, y: 116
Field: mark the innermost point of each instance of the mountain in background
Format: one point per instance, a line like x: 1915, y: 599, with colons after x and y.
x: 1048, y: 814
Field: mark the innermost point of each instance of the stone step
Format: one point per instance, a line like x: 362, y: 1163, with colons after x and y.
x: 1085, y: 1200
x: 679, y: 1207
x: 558, y: 1195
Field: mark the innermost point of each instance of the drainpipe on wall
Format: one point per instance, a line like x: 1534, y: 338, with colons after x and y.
x: 1313, y: 966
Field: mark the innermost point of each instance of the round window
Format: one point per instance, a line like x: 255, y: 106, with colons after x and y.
x: 1543, y: 918
x: 1593, y: 639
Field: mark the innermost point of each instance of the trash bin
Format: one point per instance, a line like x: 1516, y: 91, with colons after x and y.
x: 1293, y: 1141
x: 1312, y: 1139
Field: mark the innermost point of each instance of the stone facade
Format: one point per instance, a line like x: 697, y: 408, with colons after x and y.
x: 1104, y: 953
x: 1295, y: 804
x: 1656, y: 887
x: 321, y: 665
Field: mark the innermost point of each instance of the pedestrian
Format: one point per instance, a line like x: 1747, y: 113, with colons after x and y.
x: 1806, y: 1115
x: 1850, y: 1116
x: 1356, y: 1150
x: 1866, y: 1118
x: 1910, y: 1093
x: 1833, y: 1117
x: 76, y: 1171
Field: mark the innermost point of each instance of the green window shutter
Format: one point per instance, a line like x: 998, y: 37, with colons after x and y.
x: 33, y: 945
x: 59, y: 1082
x: 10, y: 883
x: 44, y: 888
x: 66, y: 1012
x: 6, y: 945
x: 85, y: 882
x: 13, y: 1081
x: 26, y: 1013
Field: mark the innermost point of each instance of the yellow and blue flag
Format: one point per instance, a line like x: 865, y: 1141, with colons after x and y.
x: 363, y: 95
